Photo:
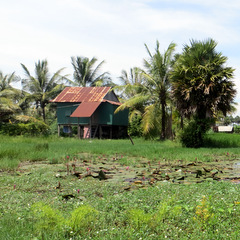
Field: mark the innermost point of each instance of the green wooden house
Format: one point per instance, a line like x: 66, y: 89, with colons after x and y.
x: 91, y: 109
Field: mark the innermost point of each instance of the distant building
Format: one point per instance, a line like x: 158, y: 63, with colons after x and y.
x: 223, y: 129
x: 91, y: 109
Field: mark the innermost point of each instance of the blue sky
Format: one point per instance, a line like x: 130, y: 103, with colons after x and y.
x: 112, y: 30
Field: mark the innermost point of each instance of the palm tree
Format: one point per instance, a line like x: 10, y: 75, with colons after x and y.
x: 202, y: 87
x: 202, y: 83
x: 155, y: 90
x: 9, y: 96
x: 85, y: 74
x: 6, y: 81
x: 131, y: 83
x: 42, y: 87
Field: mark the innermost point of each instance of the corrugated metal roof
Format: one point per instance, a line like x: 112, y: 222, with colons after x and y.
x: 112, y: 102
x: 85, y: 109
x: 82, y: 94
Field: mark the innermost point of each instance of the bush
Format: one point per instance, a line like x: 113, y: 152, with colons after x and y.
x: 237, y: 129
x: 30, y: 129
x: 134, y: 127
x: 193, y: 135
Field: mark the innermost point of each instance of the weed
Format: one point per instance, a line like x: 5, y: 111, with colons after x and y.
x: 46, y: 218
x: 137, y: 218
x: 82, y: 219
x: 204, y: 214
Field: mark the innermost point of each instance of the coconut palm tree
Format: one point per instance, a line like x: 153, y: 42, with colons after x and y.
x: 154, y: 93
x: 10, y: 97
x: 86, y: 74
x: 42, y: 87
x: 131, y: 83
x: 202, y: 83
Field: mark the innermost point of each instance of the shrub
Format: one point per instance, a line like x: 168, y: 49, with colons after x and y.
x: 204, y: 214
x: 30, y: 129
x: 134, y: 127
x: 237, y: 129
x: 193, y: 135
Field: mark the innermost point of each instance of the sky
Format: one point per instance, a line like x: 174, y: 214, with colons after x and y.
x: 112, y: 30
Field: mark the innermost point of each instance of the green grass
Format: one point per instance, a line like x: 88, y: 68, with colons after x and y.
x: 14, y: 150
x: 33, y: 206
x: 158, y: 212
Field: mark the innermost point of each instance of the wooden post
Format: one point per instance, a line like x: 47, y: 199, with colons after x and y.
x: 111, y: 132
x: 58, y: 130
x: 130, y: 139
x: 100, y: 131
x: 79, y: 130
x: 90, y: 128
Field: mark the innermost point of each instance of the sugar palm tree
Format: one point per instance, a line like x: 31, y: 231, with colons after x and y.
x: 42, y: 87
x: 202, y: 87
x: 155, y: 90
x: 202, y: 83
x: 86, y: 74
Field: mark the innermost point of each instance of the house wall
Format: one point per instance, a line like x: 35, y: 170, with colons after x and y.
x: 104, y: 115
x: 120, y: 118
x: 111, y: 97
x: 64, y: 110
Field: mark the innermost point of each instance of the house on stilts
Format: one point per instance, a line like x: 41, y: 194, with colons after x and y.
x: 91, y: 109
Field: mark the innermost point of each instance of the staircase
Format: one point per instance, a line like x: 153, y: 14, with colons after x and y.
x: 91, y: 133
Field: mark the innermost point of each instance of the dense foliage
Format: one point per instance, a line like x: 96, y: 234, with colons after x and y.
x: 168, y: 93
x: 42, y: 87
x: 150, y: 94
x: 202, y: 86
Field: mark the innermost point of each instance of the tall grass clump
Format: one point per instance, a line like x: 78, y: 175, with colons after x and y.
x: 47, y: 219
x: 82, y: 219
x: 137, y: 218
x: 222, y: 140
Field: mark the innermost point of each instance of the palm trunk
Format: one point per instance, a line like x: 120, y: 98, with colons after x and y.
x: 181, y: 123
x: 43, y: 114
x: 163, y: 133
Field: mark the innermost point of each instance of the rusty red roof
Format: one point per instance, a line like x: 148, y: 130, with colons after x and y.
x: 112, y: 102
x: 82, y: 94
x: 85, y: 109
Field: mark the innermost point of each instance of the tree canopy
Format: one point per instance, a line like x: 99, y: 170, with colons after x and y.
x: 42, y: 87
x: 86, y: 74
x: 154, y: 90
x: 202, y: 87
x: 202, y: 83
x: 9, y: 96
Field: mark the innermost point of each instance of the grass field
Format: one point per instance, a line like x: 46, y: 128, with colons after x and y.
x: 50, y: 189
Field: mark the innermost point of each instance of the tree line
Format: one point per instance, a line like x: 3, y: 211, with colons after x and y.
x: 171, y: 91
